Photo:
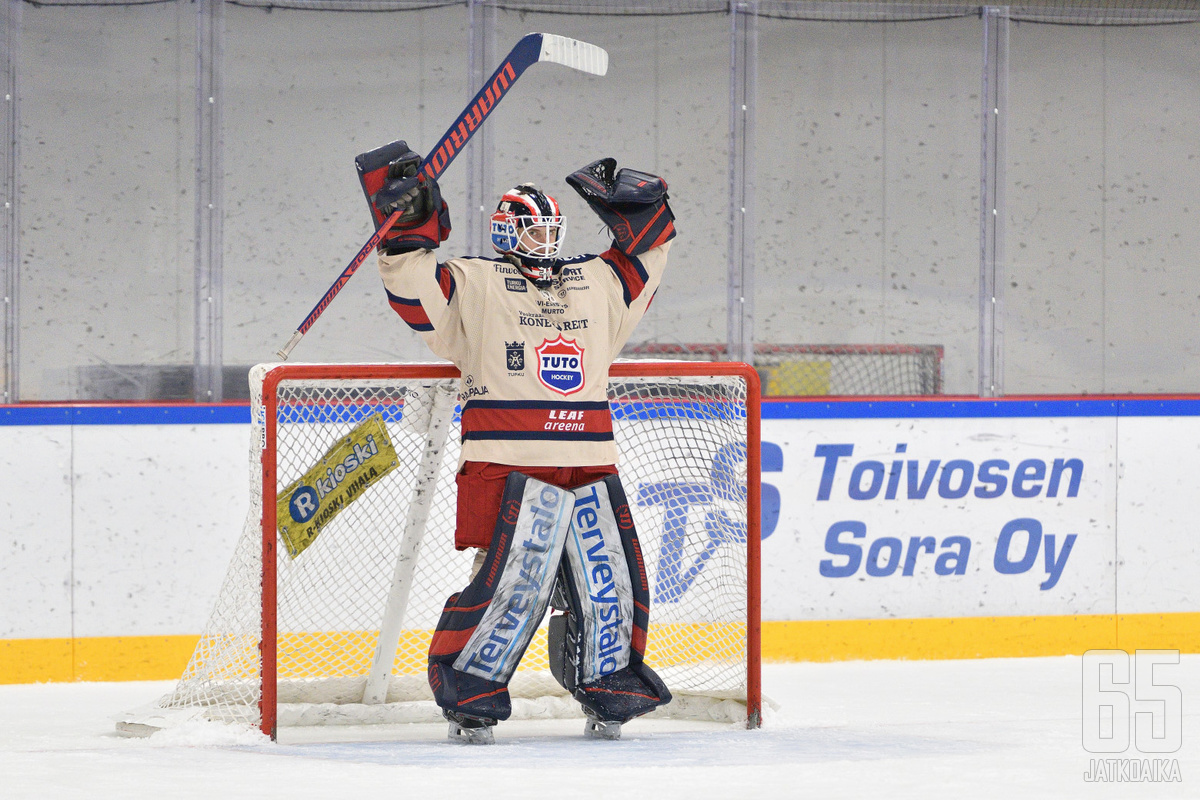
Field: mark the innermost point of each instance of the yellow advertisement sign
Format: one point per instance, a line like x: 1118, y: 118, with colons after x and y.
x: 357, y: 461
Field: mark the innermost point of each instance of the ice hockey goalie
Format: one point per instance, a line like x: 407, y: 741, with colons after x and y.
x: 533, y: 335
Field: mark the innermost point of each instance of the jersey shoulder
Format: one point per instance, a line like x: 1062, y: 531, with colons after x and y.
x: 580, y: 259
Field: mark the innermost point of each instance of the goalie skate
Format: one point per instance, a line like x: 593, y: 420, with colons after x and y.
x: 469, y: 730
x: 594, y: 728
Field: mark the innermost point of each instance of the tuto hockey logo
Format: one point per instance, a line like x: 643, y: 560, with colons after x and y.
x: 560, y: 365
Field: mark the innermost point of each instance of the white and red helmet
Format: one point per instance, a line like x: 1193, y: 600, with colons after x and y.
x: 528, y: 226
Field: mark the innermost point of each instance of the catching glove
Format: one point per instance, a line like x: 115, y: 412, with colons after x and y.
x: 632, y: 204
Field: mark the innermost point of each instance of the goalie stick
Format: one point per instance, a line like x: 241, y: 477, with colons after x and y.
x: 532, y: 48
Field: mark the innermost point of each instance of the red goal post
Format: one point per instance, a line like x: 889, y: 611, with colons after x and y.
x: 337, y: 633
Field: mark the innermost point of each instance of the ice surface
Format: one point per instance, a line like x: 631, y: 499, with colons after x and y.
x: 880, y: 729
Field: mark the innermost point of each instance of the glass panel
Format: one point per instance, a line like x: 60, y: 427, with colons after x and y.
x: 662, y: 108
x: 307, y: 91
x: 1103, y: 179
x: 106, y: 229
x: 867, y: 184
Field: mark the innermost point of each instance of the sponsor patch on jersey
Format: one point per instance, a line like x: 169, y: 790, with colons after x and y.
x: 516, y: 284
x: 560, y: 365
x: 514, y: 356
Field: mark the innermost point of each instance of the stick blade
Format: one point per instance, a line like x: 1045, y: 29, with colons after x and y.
x: 573, y: 53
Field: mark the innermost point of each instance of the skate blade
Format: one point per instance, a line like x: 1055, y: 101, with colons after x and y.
x: 482, y: 735
x: 597, y: 729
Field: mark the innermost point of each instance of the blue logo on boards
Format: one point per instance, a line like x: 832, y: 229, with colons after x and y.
x: 687, y: 505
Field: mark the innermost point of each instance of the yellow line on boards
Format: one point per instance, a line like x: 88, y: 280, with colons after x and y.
x: 131, y: 658
x: 101, y: 658
x: 977, y: 637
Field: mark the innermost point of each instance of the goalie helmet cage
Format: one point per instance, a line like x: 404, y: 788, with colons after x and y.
x: 339, y: 634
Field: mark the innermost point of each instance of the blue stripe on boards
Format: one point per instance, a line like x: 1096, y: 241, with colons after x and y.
x: 239, y: 413
x: 968, y: 408
x: 181, y: 414
x: 642, y: 410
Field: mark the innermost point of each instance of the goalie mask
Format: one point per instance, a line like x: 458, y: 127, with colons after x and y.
x: 528, y: 228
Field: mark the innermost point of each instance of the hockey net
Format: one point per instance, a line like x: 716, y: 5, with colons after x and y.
x: 792, y: 370
x: 339, y: 633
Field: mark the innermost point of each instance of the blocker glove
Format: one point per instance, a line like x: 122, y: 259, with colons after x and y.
x: 390, y: 181
x: 632, y: 204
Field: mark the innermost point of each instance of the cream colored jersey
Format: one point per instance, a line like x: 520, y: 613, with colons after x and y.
x: 534, y: 362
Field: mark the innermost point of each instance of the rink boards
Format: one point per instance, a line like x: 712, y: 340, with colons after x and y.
x: 892, y: 529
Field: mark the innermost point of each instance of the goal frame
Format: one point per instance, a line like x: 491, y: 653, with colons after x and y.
x: 268, y: 661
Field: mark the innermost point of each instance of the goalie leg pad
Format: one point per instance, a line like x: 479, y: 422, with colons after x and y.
x: 604, y: 633
x: 485, y: 629
x: 561, y: 635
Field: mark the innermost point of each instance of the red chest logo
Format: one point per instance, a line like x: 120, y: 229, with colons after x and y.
x: 560, y: 365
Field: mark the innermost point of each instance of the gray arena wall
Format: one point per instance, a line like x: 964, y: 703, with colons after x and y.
x: 861, y: 174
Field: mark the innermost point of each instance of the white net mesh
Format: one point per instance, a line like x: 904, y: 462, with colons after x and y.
x: 793, y: 370
x: 683, y: 441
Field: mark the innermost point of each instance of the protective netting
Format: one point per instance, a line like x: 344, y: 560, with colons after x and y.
x: 793, y: 370
x: 683, y: 443
x: 1063, y: 12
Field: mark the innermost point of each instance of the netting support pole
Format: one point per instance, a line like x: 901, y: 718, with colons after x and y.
x: 10, y: 37
x: 444, y: 394
x: 480, y: 150
x: 210, y: 42
x: 991, y: 201
x: 742, y: 79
